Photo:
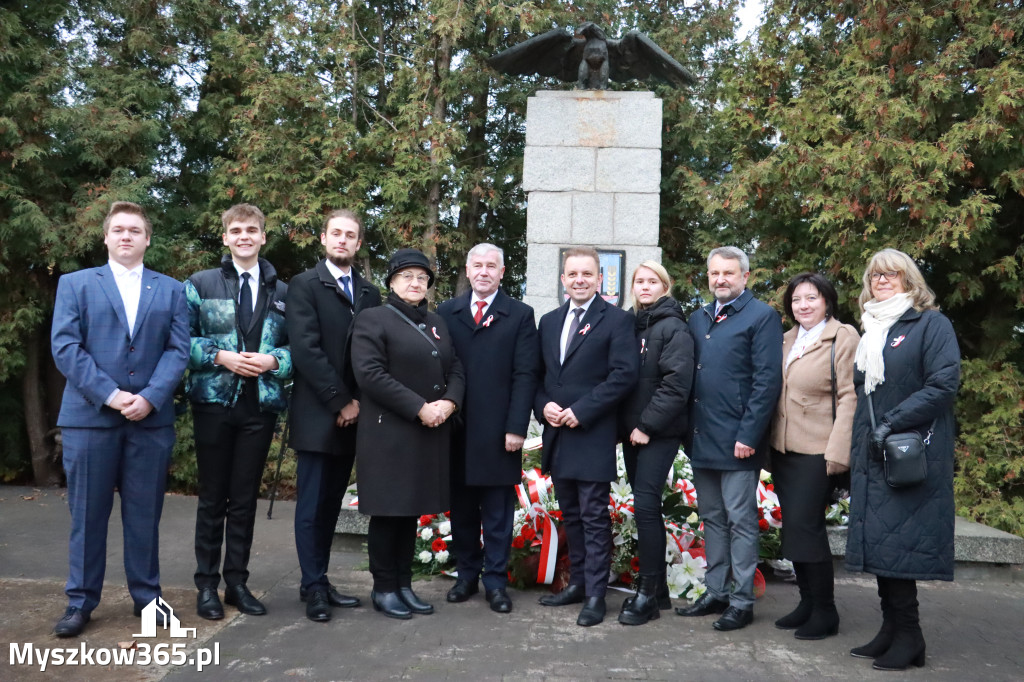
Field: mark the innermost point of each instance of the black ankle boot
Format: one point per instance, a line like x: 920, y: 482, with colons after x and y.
x: 664, y: 598
x: 644, y: 606
x: 802, y: 612
x: 824, y: 619
x: 908, y: 646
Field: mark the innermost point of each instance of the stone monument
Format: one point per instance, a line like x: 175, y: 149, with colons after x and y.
x: 592, y: 173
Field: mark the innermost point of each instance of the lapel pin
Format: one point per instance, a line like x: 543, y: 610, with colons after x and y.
x: 643, y: 346
x: 898, y: 340
x: 434, y: 329
x: 148, y: 287
x: 720, y: 318
x: 583, y: 332
x: 487, y: 322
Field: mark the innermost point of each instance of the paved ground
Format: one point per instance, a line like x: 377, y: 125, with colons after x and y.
x: 973, y: 629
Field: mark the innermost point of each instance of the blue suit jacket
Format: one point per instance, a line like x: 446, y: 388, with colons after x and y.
x: 601, y: 368
x: 94, y: 350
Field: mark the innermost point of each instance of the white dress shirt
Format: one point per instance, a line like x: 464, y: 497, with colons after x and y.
x: 487, y: 301
x: 254, y: 278
x: 129, y: 285
x: 563, y: 338
x: 805, y: 338
x: 337, y: 273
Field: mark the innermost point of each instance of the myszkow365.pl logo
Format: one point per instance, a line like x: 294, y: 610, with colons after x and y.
x: 157, y: 614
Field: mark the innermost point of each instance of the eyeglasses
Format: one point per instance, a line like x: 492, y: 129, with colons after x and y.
x: 891, y: 275
x: 409, y: 276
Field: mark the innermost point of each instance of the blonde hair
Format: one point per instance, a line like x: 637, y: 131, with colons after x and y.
x: 243, y: 212
x: 893, y: 260
x: 659, y: 270
x: 130, y: 208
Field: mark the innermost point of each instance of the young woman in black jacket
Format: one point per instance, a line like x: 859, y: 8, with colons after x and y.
x: 652, y: 422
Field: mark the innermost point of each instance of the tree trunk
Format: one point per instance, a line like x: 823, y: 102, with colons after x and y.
x: 41, y: 441
x: 442, y: 63
x: 469, y: 213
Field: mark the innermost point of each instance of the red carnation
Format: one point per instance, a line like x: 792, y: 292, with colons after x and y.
x: 557, y: 514
x: 761, y: 524
x: 634, y: 563
x: 438, y: 545
x: 426, y: 519
x: 518, y: 542
x: 777, y: 513
x: 528, y: 533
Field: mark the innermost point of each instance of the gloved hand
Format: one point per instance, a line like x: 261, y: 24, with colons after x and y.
x: 881, y: 432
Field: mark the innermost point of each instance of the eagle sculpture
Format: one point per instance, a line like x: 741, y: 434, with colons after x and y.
x: 590, y: 58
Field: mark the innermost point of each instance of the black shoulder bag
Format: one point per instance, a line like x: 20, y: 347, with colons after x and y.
x: 904, y: 454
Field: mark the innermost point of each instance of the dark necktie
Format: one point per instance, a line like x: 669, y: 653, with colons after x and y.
x: 478, y: 315
x: 573, y: 326
x: 245, y: 303
x: 345, y: 279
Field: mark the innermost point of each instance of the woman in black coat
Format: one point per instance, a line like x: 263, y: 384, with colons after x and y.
x: 411, y: 383
x: 652, y: 422
x: 908, y: 363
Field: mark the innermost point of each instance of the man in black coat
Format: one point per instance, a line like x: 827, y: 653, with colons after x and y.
x: 325, y: 404
x: 496, y: 340
x: 738, y: 380
x: 589, y: 365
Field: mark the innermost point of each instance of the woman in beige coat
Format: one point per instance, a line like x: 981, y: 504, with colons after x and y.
x: 810, y: 442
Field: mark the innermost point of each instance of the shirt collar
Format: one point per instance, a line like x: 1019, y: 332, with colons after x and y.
x: 585, y: 306
x: 474, y: 298
x: 336, y: 272
x: 815, y: 330
x: 120, y: 270
x: 254, y: 271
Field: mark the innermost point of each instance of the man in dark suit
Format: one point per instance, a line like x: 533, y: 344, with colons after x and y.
x: 738, y: 351
x: 236, y: 384
x: 496, y: 340
x: 590, y: 364
x: 325, y: 405
x: 120, y: 337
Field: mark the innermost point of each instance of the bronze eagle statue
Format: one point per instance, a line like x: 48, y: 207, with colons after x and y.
x: 591, y: 59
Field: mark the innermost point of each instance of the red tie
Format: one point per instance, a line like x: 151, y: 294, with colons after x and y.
x: 479, y: 311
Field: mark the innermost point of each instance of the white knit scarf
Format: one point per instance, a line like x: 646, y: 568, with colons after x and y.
x: 878, y: 318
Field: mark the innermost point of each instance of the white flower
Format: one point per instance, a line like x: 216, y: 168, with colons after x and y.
x: 425, y: 557
x: 427, y: 533
x: 765, y: 475
x: 692, y: 519
x: 621, y: 491
x: 441, y: 556
x: 444, y: 528
x: 696, y: 591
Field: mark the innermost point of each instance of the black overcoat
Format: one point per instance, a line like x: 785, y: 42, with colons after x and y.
x: 736, y: 384
x: 599, y: 371
x: 501, y: 360
x: 402, y: 466
x: 907, y: 532
x: 319, y: 319
x: 659, y: 404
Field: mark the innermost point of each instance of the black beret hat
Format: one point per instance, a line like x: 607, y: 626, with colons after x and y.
x: 409, y: 258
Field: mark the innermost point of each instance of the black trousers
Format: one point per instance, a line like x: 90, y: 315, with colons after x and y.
x: 647, y: 468
x: 491, y: 508
x: 588, y: 528
x: 804, y: 489
x: 390, y: 544
x: 321, y: 479
x: 231, y: 452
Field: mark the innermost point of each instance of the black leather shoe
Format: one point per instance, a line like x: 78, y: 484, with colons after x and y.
x: 572, y: 594
x: 704, y: 606
x: 592, y: 612
x: 499, y: 600
x: 241, y: 598
x: 390, y: 604
x: 734, y: 618
x: 318, y: 609
x: 415, y: 604
x: 462, y: 590
x: 71, y: 623
x: 208, y: 604
x: 335, y: 598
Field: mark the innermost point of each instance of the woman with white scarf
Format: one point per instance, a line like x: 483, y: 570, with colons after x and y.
x: 908, y: 362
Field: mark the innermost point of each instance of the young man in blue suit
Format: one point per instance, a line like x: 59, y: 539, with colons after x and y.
x: 495, y: 337
x: 120, y: 337
x: 590, y: 364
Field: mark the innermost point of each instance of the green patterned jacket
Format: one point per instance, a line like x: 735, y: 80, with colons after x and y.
x: 213, y: 326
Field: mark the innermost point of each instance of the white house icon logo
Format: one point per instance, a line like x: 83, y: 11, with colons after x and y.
x: 160, y: 611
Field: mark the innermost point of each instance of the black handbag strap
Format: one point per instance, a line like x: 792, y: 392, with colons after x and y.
x: 871, y: 411
x: 412, y: 324
x: 832, y: 363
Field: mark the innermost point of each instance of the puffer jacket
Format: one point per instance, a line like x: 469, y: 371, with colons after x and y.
x: 907, y: 532
x: 213, y: 325
x: 659, y: 404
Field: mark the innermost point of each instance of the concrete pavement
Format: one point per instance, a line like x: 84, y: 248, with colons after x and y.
x: 974, y: 630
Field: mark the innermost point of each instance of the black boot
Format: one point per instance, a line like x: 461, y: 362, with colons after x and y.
x: 883, y: 640
x: 824, y: 620
x: 908, y: 642
x: 664, y: 598
x: 802, y: 612
x: 644, y: 606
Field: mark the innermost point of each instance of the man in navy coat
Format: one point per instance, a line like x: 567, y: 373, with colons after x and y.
x: 120, y: 337
x: 738, y: 351
x: 590, y: 364
x: 497, y: 342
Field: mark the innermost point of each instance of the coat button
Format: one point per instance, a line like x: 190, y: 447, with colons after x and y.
x: 421, y: 325
x: 436, y: 387
x: 433, y: 353
x: 696, y: 400
x: 696, y: 431
x: 707, y: 336
x: 131, y: 374
x: 131, y: 349
x: 699, y: 367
